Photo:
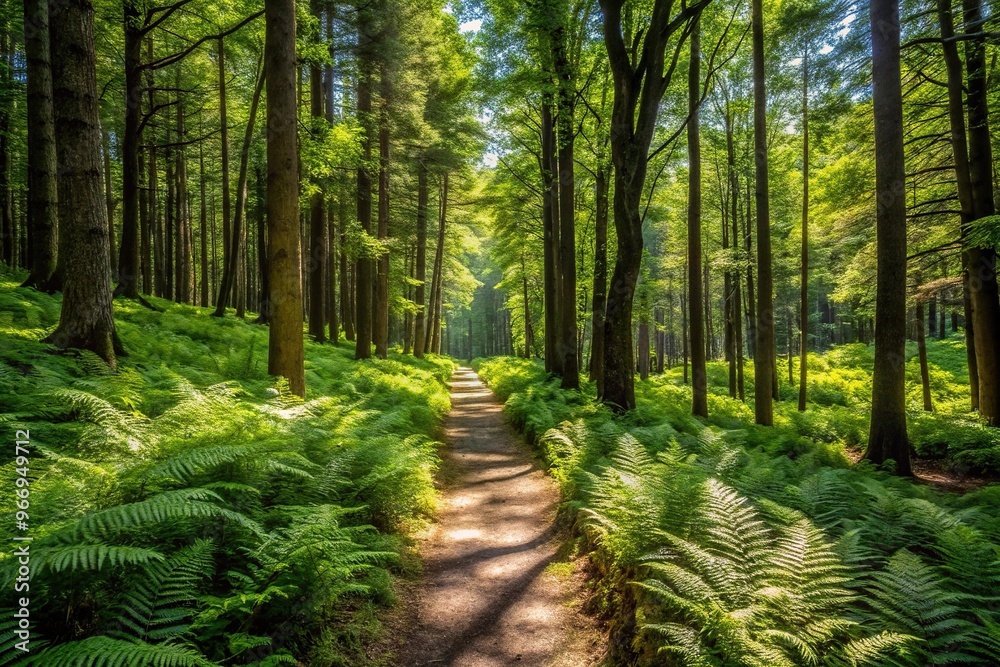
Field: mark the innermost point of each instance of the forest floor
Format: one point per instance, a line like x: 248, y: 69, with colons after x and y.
x: 497, y: 588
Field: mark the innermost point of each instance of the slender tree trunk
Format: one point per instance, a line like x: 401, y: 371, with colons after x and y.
x: 887, y: 438
x: 169, y: 215
x: 381, y: 320
x: 529, y: 335
x: 180, y: 173
x: 85, y: 320
x: 684, y: 323
x: 109, y: 201
x: 346, y: 294
x: 263, y: 300
x: 8, y: 230
x: 764, y: 352
x: 982, y: 261
x: 420, y: 324
x: 804, y: 264
x: 600, y: 276
x: 434, y: 328
x: 567, y: 334
x: 236, y: 245
x: 363, y: 281
x: 41, y: 155
x: 643, y: 345
x: 228, y: 256
x: 316, y: 266
x: 699, y: 376
x: 285, y: 346
x: 128, y: 259
x: 550, y: 233
x: 204, y: 228
x: 737, y: 296
x: 960, y: 151
x: 925, y: 377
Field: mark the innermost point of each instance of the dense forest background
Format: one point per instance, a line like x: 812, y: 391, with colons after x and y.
x: 776, y: 215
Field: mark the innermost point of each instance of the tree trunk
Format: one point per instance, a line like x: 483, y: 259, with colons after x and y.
x: 204, y: 228
x: 434, y: 328
x: 128, y: 259
x: 925, y: 377
x: 643, y: 345
x: 567, y: 334
x: 887, y: 437
x: 699, y: 376
x: 381, y: 323
x: 263, y: 305
x: 804, y: 264
x: 285, y: 346
x: 85, y: 319
x: 346, y: 303
x: 960, y: 151
x: 228, y: 256
x: 151, y: 225
x: 529, y: 335
x: 236, y: 245
x: 420, y: 324
x: 600, y: 276
x: 363, y: 279
x: 550, y: 235
x: 180, y: 173
x: 764, y: 352
x: 982, y: 260
x: 41, y: 155
x: 316, y: 266
x: 8, y: 231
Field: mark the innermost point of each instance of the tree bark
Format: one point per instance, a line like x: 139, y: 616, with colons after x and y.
x: 236, y: 244
x: 764, y: 351
x: 925, y: 377
x: 420, y: 324
x: 363, y: 279
x: 699, y: 375
x: 85, y: 320
x: 316, y: 266
x: 285, y: 348
x: 804, y: 264
x: 566, y: 100
x: 982, y: 260
x: 887, y: 437
x: 550, y: 238
x: 434, y: 333
x: 960, y: 153
x: 41, y: 156
x: 381, y: 320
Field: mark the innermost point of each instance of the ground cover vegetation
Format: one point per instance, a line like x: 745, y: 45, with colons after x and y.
x: 189, y: 509
x: 721, y: 542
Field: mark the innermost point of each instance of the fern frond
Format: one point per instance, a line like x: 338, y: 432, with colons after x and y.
x: 103, y: 651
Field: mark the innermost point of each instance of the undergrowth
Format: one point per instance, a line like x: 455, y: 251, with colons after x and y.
x: 188, y: 510
x: 722, y: 543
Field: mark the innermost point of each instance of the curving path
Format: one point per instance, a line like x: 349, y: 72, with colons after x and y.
x: 488, y: 596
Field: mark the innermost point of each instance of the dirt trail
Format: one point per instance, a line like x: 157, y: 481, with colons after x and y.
x: 488, y: 596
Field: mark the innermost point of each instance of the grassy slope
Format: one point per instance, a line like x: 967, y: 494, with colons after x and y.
x: 733, y: 544
x: 188, y: 510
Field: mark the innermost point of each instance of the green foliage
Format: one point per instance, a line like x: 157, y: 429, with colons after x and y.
x: 187, y: 511
x: 762, y: 546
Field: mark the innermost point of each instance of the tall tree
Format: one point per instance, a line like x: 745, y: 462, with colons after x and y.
x: 42, y: 183
x: 641, y: 75
x: 316, y: 266
x: 764, y: 349
x: 285, y: 344
x: 887, y: 438
x: 804, y: 261
x: 363, y: 276
x: 699, y: 374
x: 86, y: 320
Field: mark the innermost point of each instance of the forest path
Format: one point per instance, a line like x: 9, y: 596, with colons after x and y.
x: 489, y: 596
